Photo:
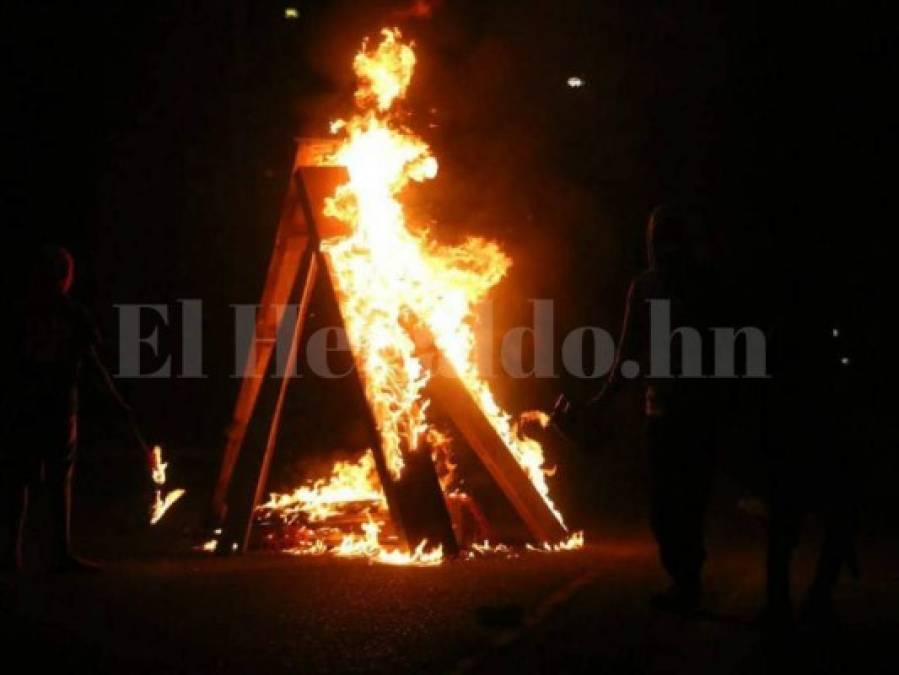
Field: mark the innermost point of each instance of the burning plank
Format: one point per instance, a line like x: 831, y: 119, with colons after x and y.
x: 455, y: 399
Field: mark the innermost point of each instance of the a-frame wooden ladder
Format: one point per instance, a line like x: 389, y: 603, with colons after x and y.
x: 415, y: 501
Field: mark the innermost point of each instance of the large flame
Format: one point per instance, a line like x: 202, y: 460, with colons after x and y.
x: 387, y: 270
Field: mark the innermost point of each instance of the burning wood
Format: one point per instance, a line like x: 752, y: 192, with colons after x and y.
x: 385, y: 270
x: 350, y: 483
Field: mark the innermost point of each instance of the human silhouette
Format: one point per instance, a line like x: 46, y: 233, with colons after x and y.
x: 679, y: 412
x: 55, y: 337
x: 810, y: 452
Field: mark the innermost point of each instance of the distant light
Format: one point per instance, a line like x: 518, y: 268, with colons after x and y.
x: 575, y: 82
x: 845, y: 360
x: 291, y: 13
x: 836, y: 332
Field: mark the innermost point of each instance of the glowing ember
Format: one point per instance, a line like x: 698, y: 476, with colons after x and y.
x: 162, y: 501
x: 386, y: 271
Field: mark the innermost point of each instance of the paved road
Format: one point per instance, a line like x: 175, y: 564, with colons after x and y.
x: 571, y: 612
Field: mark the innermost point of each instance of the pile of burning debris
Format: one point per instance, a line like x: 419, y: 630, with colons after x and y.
x: 347, y: 515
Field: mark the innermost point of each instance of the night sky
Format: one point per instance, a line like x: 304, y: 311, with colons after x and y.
x: 154, y: 140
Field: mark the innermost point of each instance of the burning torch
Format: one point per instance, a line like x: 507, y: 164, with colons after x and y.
x: 162, y: 500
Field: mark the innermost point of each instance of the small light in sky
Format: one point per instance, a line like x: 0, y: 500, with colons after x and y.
x: 845, y: 360
x: 575, y: 82
x: 836, y: 332
x: 291, y: 13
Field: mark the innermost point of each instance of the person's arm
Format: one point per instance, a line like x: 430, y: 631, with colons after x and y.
x: 89, y: 338
x: 569, y: 418
x: 107, y: 380
x: 627, y: 349
x: 120, y: 401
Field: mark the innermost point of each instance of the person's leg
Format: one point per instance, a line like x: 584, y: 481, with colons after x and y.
x: 667, y: 480
x: 784, y: 524
x: 837, y: 550
x: 660, y: 501
x: 60, y: 472
x: 59, y: 493
x: 696, y: 479
x: 836, y: 500
x: 13, y: 512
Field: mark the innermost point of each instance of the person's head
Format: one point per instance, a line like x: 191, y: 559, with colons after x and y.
x: 672, y: 239
x: 54, y: 272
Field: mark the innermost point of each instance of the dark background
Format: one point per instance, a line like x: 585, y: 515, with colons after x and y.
x: 154, y: 140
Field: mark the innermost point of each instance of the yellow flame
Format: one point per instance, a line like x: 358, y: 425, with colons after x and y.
x: 162, y: 502
x: 536, y: 416
x: 385, y: 271
x: 574, y: 542
x: 486, y: 548
x: 369, y: 546
x: 157, y: 471
x: 350, y: 482
x: 385, y: 72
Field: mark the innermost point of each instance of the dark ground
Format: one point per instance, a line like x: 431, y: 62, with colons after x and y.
x: 571, y: 612
x: 161, y: 607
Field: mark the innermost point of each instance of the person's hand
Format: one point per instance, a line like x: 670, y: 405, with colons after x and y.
x: 565, y: 417
x: 151, y: 460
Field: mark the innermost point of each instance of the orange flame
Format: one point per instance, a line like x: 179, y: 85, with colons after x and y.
x: 387, y: 269
x: 349, y: 482
x: 573, y: 543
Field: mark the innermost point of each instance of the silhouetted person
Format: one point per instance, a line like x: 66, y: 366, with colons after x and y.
x: 55, y: 338
x: 680, y: 413
x: 811, y: 454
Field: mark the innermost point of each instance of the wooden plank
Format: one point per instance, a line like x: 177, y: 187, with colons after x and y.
x: 294, y: 236
x: 454, y: 399
x: 253, y: 462
x: 415, y: 501
x: 307, y: 287
x: 423, y: 509
x: 291, y: 244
